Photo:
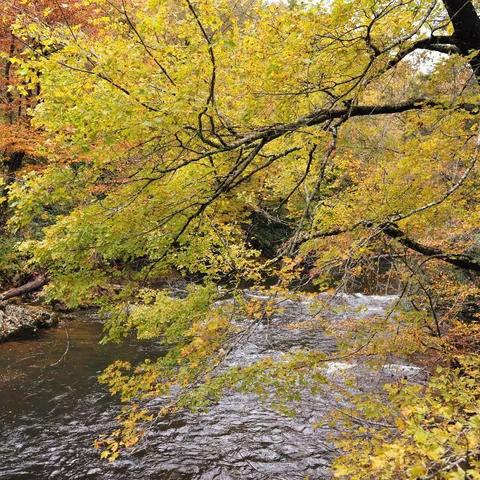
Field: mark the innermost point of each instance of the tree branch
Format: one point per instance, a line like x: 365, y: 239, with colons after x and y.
x: 460, y: 260
x: 442, y: 43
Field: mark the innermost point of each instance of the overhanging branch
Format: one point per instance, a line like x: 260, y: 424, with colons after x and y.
x: 460, y: 260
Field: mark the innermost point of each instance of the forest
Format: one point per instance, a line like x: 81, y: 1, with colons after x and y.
x: 201, y: 174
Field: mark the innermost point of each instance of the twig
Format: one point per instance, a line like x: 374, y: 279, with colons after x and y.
x: 67, y: 348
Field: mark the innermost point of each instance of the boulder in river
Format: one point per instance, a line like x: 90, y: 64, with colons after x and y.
x: 17, y: 320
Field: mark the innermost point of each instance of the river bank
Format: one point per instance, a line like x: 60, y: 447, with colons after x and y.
x: 17, y: 320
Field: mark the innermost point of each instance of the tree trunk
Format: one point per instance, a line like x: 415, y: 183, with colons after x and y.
x: 466, y: 26
x: 35, y: 284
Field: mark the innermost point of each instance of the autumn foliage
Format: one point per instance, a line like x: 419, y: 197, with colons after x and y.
x: 180, y: 139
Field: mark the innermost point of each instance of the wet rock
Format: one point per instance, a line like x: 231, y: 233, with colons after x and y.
x: 406, y: 372
x: 18, y: 320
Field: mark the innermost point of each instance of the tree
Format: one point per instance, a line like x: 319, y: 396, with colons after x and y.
x: 353, y: 124
x: 21, y: 149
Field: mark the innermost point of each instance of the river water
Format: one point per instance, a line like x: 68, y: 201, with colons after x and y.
x: 52, y: 408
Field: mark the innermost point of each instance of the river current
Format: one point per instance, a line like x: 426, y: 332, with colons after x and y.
x: 52, y: 408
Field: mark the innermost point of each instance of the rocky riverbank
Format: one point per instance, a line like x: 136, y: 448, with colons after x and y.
x: 19, y: 319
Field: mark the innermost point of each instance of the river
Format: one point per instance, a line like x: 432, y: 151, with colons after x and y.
x: 52, y: 408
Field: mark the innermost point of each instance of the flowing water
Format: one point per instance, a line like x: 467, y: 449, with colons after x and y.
x: 52, y: 408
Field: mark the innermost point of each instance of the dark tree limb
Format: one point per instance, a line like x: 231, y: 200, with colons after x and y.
x: 460, y: 260
x: 441, y: 43
x: 36, y: 284
x: 466, y: 30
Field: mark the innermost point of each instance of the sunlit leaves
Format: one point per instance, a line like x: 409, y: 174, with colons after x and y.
x: 436, y: 433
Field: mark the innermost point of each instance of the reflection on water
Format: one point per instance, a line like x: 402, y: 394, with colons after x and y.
x: 51, y: 409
